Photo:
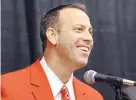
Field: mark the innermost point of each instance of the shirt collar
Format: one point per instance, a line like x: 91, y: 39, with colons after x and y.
x: 54, y: 81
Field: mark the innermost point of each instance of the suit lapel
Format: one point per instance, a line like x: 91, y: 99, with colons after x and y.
x: 39, y: 83
x: 80, y: 93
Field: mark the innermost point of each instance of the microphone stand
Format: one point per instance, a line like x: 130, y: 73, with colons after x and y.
x: 116, y: 85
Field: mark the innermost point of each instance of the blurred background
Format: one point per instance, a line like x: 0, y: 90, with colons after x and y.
x: 114, y: 25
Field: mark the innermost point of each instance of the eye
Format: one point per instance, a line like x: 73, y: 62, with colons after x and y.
x: 91, y: 32
x: 78, y: 29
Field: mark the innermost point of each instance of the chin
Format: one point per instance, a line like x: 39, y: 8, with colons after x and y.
x: 82, y: 62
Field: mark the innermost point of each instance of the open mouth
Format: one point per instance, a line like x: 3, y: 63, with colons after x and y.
x: 85, y: 49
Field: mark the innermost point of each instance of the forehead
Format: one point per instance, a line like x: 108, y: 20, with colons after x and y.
x: 73, y: 16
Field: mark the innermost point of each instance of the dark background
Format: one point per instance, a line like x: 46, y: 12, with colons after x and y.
x: 114, y: 24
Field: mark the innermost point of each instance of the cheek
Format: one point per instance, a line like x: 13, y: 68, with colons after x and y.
x: 62, y: 46
x: 67, y: 42
x: 66, y: 50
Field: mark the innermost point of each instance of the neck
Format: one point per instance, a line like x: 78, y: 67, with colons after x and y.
x: 58, y: 65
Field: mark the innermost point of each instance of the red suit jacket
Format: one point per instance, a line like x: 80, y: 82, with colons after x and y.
x: 31, y: 83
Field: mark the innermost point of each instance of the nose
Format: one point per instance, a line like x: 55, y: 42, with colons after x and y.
x: 88, y: 38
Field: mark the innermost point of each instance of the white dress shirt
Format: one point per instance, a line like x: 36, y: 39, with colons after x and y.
x: 55, y: 82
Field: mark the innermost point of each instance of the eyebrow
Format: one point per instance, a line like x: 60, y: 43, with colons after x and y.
x: 90, y: 28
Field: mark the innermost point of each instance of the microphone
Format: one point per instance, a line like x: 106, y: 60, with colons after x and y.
x: 91, y: 77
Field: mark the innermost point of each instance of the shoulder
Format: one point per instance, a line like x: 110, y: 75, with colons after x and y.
x: 18, y: 73
x: 13, y: 82
x: 15, y: 74
x: 17, y: 82
x: 90, y: 91
x: 16, y: 79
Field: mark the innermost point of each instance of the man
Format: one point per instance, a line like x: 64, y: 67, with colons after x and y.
x: 66, y: 33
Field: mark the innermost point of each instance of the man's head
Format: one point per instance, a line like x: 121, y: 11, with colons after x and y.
x: 67, y: 30
x: 51, y: 19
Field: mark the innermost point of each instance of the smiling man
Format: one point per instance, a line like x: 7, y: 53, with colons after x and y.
x: 66, y: 34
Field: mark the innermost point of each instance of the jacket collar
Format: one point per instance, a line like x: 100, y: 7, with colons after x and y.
x: 40, y: 86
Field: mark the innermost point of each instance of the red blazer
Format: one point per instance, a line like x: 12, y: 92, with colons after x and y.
x: 31, y: 83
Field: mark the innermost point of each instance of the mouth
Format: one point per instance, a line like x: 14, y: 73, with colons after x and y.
x: 84, y: 49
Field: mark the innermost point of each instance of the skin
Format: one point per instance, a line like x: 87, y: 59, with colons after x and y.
x: 62, y: 52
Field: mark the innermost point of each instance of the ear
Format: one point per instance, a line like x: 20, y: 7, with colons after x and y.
x: 52, y: 35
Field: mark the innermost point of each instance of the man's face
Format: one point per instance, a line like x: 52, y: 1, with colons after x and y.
x: 75, y: 40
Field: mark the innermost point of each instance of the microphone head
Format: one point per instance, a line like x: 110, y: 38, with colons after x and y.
x: 89, y: 76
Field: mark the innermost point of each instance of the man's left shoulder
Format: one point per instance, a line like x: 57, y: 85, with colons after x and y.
x: 90, y: 91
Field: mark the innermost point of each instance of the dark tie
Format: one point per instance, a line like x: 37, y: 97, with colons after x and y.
x: 64, y: 93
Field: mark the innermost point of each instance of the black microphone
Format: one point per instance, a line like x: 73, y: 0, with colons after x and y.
x: 92, y: 77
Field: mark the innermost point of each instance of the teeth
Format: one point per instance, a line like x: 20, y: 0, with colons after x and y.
x: 84, y: 48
